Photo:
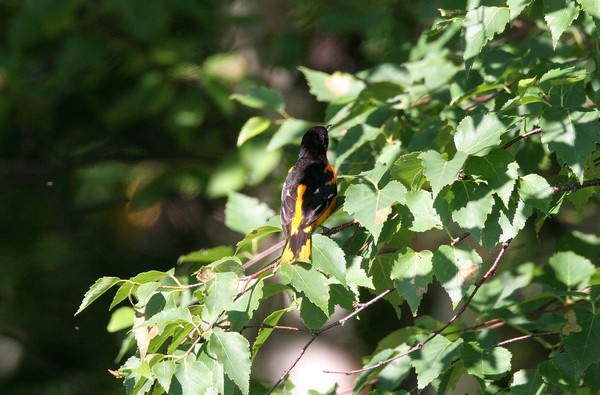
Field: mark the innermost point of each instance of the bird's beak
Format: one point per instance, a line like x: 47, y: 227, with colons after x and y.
x: 328, y: 127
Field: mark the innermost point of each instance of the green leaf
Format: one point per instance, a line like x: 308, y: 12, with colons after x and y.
x: 191, y: 378
x: 244, y: 213
x: 163, y: 371
x: 233, y: 351
x: 172, y: 315
x: 380, y: 270
x: 477, y: 135
x: 408, y: 169
x: 96, y: 290
x: 516, y: 6
x: 485, y: 363
x: 562, y: 372
x: 420, y: 204
x: 252, y: 128
x: 261, y: 98
x: 591, y: 7
x: 434, y: 358
x: 559, y: 14
x: 456, y: 268
x: 480, y: 25
x: 290, y: 132
x: 412, y: 271
x: 145, y: 292
x: 206, y: 255
x: 329, y: 257
x: 504, y: 223
x: 124, y: 291
x: 265, y: 331
x: 471, y: 206
x: 220, y: 292
x: 527, y: 382
x: 121, y: 318
x: 312, y: 316
x: 440, y: 171
x: 498, y: 169
x: 571, y: 269
x: 308, y: 280
x: 150, y: 276
x: 357, y: 276
x: 583, y: 346
x: 572, y: 135
x: 328, y: 88
x: 242, y: 309
x: 255, y: 235
x: 535, y: 191
x: 370, y: 206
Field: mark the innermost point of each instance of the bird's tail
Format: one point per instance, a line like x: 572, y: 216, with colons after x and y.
x: 297, y: 247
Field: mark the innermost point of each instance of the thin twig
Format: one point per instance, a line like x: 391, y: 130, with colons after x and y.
x: 481, y: 100
x: 460, y: 238
x: 288, y: 370
x: 574, y: 187
x: 521, y: 137
x: 316, y: 333
x: 462, y: 309
x: 531, y: 335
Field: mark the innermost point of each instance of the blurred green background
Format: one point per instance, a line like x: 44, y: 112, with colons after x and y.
x: 118, y: 147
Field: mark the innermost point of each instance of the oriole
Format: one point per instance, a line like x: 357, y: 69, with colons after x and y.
x: 308, y: 194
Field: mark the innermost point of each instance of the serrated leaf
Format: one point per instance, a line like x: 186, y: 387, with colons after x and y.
x: 329, y: 257
x: 498, y: 169
x: 572, y: 135
x: 583, y: 346
x: 242, y: 309
x: 433, y: 358
x: 420, y: 204
x: 220, y: 292
x: 471, y: 206
x: 370, y: 206
x: 149, y: 276
x: 562, y: 372
x: 481, y: 25
x: 255, y: 235
x: 266, y: 329
x: 477, y: 135
x: 261, y: 98
x: 290, y: 132
x: 408, y: 169
x: 440, y: 171
x: 167, y: 316
x: 124, y: 291
x: 504, y: 223
x: 516, y: 6
x: 412, y: 272
x: 308, y: 280
x: 191, y: 378
x: 485, y: 363
x: 244, y: 213
x: 380, y: 271
x: 559, y: 14
x: 591, y: 7
x: 571, y: 269
x: 120, y: 319
x: 328, y: 88
x: 535, y: 191
x: 163, y: 371
x: 357, y: 276
x: 252, y: 128
x: 312, y: 316
x: 456, y: 268
x: 206, y: 255
x: 527, y: 382
x: 233, y: 351
x: 96, y: 290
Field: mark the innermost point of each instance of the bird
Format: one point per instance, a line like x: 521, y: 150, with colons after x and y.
x: 308, y: 195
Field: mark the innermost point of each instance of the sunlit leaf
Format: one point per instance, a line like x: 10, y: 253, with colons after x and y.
x: 305, y: 278
x: 477, y: 135
x: 96, y: 290
x: 191, y: 378
x: 559, y: 14
x: 244, y: 213
x: 233, y: 351
x: 252, y: 128
x: 439, y: 170
x: 412, y: 272
x: 456, y: 268
x: 261, y: 98
x: 480, y: 26
x: 485, y: 363
x: 433, y: 358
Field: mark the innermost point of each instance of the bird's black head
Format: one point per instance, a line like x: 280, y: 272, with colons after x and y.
x: 315, y: 142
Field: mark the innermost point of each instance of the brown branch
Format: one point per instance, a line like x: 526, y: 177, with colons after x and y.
x: 481, y: 100
x: 521, y: 137
x: 574, y: 187
x: 462, y: 309
x: 316, y: 333
x: 531, y: 335
x: 460, y: 238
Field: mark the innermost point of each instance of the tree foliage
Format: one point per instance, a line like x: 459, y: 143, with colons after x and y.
x: 484, y: 137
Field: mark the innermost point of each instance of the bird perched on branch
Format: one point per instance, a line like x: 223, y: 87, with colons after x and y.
x: 308, y: 194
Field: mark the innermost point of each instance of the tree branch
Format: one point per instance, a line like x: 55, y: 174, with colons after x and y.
x: 531, y: 335
x: 576, y: 186
x: 462, y: 309
x: 521, y: 137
